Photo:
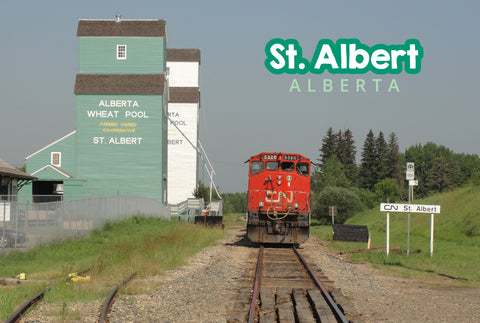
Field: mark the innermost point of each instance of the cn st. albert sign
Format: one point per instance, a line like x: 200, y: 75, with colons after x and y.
x: 413, y: 208
x: 410, y: 208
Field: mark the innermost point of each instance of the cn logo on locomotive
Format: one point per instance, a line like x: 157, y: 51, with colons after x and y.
x: 279, y: 195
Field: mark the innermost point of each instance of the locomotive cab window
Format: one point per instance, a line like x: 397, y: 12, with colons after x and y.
x: 303, y: 169
x: 256, y: 167
x: 271, y: 165
x: 287, y: 166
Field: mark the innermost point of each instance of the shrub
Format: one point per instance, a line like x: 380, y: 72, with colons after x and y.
x: 348, y: 203
x: 386, y: 190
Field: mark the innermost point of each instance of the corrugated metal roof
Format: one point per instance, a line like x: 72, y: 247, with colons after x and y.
x: 183, y: 55
x: 123, y: 28
x: 8, y: 170
x: 119, y: 84
x: 183, y: 95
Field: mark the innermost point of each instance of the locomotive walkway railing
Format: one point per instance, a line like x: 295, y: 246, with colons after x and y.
x: 186, y: 210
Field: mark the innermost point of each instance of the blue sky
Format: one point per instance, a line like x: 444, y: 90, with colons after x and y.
x: 246, y: 109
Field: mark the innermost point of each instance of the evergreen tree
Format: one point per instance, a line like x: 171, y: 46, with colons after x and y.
x: 394, y: 160
x: 382, y: 157
x: 329, y: 144
x: 346, y: 153
x: 368, y: 167
x: 202, y: 191
x: 342, y: 146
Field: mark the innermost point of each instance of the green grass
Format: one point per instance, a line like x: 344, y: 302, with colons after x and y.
x: 234, y: 219
x: 146, y: 245
x: 456, y: 251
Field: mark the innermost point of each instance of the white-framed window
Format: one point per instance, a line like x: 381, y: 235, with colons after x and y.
x: 121, y: 51
x: 56, y: 159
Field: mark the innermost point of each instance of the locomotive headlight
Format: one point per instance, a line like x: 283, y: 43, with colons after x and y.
x: 279, y: 176
x: 260, y: 204
x: 279, y: 183
x: 296, y: 205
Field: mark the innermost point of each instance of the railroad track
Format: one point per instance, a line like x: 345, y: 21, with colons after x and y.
x: 107, y: 305
x: 286, y: 289
x: 106, y: 308
x: 17, y: 315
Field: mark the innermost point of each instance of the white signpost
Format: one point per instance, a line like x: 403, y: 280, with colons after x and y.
x: 410, y: 177
x: 332, y: 211
x: 413, y: 208
x: 411, y: 166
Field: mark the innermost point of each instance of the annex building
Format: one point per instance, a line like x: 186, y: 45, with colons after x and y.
x: 136, y: 118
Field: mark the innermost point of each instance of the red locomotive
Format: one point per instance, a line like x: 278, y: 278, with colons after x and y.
x: 278, y: 198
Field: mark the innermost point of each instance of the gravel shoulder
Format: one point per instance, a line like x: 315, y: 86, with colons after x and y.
x: 205, y: 290
x: 371, y: 295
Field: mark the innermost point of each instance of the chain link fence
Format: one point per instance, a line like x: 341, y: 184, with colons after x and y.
x: 27, y: 225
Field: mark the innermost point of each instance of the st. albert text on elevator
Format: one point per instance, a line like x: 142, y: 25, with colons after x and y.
x: 347, y: 56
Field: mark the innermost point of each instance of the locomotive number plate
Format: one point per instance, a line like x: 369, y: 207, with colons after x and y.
x: 270, y: 157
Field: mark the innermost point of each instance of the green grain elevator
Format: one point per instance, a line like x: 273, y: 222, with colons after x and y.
x: 121, y: 104
x: 119, y: 146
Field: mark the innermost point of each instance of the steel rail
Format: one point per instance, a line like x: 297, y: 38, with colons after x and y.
x: 25, y: 306
x: 256, y: 286
x: 32, y: 301
x: 109, y: 301
x: 337, y: 312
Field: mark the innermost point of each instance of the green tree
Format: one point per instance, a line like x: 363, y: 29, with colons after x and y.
x: 347, y: 202
x: 425, y: 157
x: 475, y: 179
x: 438, y: 168
x: 202, y: 191
x: 368, y: 167
x: 387, y: 190
x: 346, y: 152
x: 369, y: 199
x: 331, y: 174
x: 382, y: 159
x: 234, y: 202
x: 442, y: 175
x: 394, y: 169
x: 469, y: 166
x: 328, y: 149
x: 342, y: 146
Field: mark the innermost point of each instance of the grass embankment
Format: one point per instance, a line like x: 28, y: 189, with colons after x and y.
x: 456, y: 252
x: 146, y: 245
